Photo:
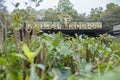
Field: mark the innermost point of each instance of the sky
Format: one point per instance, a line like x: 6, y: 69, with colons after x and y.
x: 82, y: 6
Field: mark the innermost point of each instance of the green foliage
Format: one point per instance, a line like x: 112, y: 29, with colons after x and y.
x: 67, y: 58
x: 111, y: 15
x: 19, y: 16
x: 111, y: 6
x: 64, y: 7
x: 60, y: 57
x: 95, y: 14
x: 30, y: 55
x: 3, y: 62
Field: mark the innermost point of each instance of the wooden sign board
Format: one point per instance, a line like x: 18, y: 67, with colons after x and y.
x: 71, y: 25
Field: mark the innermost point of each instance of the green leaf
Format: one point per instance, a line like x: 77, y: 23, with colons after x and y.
x: 37, y: 51
x: 26, y: 50
x: 3, y: 62
x: 33, y: 75
x: 72, y: 78
x: 19, y: 76
x: 31, y: 57
x: 88, y: 67
x: 21, y: 56
x: 27, y: 78
x: 40, y: 66
x: 14, y: 76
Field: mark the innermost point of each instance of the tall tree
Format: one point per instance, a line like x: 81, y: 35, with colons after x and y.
x: 95, y: 14
x: 111, y: 6
x: 82, y: 17
x: 50, y: 14
x: 21, y: 15
x: 111, y: 16
x: 65, y: 6
x: 41, y: 14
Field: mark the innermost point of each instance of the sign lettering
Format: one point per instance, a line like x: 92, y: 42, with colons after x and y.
x: 71, y: 25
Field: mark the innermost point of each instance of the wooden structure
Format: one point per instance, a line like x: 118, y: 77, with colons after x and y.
x: 65, y: 25
x: 116, y: 31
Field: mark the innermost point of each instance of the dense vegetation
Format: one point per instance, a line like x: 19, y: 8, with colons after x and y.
x: 62, y: 58
x: 57, y: 56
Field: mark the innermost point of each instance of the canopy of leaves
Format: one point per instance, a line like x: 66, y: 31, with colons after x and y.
x: 111, y: 16
x: 95, y: 14
x: 65, y: 6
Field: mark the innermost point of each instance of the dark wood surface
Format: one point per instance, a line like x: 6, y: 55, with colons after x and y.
x: 90, y: 32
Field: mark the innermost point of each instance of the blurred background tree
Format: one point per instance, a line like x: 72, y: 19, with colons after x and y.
x: 65, y: 6
x: 95, y: 14
x: 111, y: 16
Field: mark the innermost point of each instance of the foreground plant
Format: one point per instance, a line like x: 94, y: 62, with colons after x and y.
x: 66, y: 58
x: 30, y: 57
